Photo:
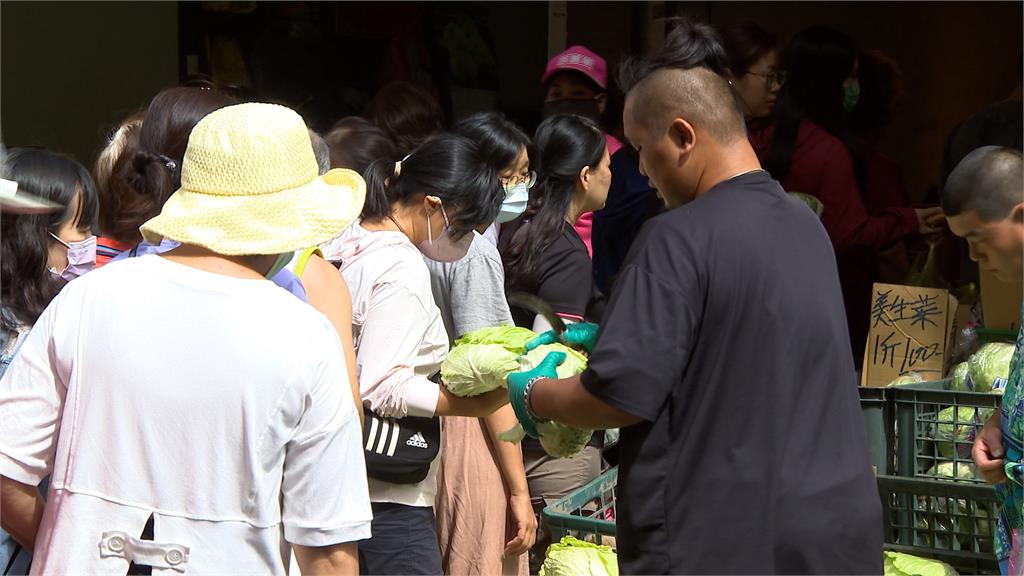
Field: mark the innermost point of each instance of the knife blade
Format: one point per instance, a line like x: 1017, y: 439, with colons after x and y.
x: 539, y: 306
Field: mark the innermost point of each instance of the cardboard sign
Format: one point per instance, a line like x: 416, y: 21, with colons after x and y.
x: 1000, y: 302
x: 911, y: 330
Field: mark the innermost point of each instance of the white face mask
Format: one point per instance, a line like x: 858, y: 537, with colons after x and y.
x: 444, y: 248
x: 81, y: 258
x: 516, y: 199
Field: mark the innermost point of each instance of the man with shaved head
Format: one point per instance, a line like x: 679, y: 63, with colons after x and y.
x: 723, y: 354
x: 983, y: 200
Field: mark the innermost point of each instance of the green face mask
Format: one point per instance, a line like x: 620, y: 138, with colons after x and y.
x: 851, y: 95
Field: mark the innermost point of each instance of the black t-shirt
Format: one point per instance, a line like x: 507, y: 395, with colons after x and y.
x: 725, y: 332
x: 563, y: 279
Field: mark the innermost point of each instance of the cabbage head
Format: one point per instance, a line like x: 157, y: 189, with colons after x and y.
x: 908, y: 378
x: 512, y: 338
x: 989, y: 368
x: 573, y: 557
x: 473, y: 369
x: 557, y: 439
x: 900, y: 564
x: 956, y: 429
x: 959, y: 376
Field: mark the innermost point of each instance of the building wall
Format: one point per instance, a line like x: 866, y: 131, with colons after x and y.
x: 73, y: 70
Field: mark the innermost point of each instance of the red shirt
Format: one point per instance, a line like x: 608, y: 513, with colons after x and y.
x: 823, y: 168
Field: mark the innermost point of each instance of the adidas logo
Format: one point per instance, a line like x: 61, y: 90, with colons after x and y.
x: 417, y: 441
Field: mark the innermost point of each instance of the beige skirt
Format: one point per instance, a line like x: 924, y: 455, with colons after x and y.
x: 472, y: 504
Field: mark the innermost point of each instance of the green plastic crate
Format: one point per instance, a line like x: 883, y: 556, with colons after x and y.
x: 588, y: 513
x: 949, y: 521
x: 987, y: 335
x: 876, y: 407
x: 924, y: 435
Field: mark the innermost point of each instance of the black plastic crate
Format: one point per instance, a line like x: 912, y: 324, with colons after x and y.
x: 877, y: 409
x: 950, y: 521
x: 936, y: 427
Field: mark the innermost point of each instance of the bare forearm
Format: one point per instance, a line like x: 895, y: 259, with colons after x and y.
x: 341, y: 559
x: 510, y: 456
x: 567, y: 401
x: 22, y: 507
x: 449, y: 404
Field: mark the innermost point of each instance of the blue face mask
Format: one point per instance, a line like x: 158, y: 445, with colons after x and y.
x: 516, y: 199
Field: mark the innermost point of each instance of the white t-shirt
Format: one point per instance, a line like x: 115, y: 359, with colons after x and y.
x: 220, y: 405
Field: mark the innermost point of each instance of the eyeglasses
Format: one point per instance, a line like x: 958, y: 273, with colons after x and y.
x: 777, y: 78
x: 530, y: 178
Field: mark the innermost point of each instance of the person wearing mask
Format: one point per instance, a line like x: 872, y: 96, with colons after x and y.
x: 808, y: 147
x: 547, y: 258
x: 575, y: 82
x: 407, y: 113
x: 983, y: 200
x: 41, y: 253
x: 268, y: 414
x: 718, y: 342
x: 485, y: 521
x: 355, y: 143
x: 427, y: 205
x: 753, y: 68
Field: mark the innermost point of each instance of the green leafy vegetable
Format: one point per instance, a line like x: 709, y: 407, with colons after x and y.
x: 908, y: 378
x: 956, y: 430
x: 512, y: 338
x: 989, y: 368
x: 473, y: 369
x: 959, y: 376
x: 557, y: 439
x: 900, y: 564
x: 573, y: 557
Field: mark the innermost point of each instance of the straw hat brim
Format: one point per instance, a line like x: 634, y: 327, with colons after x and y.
x: 268, y: 223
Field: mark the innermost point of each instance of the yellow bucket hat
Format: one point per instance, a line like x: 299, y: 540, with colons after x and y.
x: 250, y: 185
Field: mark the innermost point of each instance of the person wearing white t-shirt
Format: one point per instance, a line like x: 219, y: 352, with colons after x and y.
x: 426, y: 205
x: 193, y: 416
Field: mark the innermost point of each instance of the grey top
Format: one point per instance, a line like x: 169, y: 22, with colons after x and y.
x: 470, y: 292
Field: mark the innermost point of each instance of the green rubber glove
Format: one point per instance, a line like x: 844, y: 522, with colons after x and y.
x: 579, y: 335
x: 517, y: 382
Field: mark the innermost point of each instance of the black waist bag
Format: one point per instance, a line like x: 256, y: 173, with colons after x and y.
x: 400, y: 450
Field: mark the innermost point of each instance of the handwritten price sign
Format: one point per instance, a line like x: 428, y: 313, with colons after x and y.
x: 911, y: 331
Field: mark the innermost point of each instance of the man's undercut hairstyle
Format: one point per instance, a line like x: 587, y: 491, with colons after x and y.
x: 685, y: 80
x: 989, y: 182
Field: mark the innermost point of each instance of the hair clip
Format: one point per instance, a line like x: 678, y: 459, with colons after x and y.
x: 168, y: 163
x: 398, y: 168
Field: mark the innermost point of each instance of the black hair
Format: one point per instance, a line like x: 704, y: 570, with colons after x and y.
x: 145, y: 175
x: 818, y: 60
x: 881, y: 83
x: 321, y: 151
x: 565, y: 144
x: 500, y: 140
x: 688, y: 45
x: 448, y: 166
x: 26, y: 286
x: 987, y: 182
x: 356, y: 143
x: 745, y: 42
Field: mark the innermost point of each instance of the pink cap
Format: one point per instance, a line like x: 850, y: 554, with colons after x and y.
x: 579, y: 59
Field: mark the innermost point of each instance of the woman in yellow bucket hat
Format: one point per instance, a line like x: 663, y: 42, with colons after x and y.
x: 194, y: 446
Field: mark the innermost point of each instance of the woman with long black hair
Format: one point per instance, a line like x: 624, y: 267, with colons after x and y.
x: 808, y: 148
x: 547, y: 257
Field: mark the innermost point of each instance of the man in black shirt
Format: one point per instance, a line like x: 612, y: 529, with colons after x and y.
x: 723, y: 354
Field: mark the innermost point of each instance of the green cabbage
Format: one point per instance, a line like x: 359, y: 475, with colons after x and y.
x: 908, y: 378
x: 900, y: 564
x: 812, y: 202
x: 557, y: 439
x: 959, y: 376
x: 956, y: 430
x: 989, y: 368
x: 473, y: 369
x: 574, y: 557
x: 512, y: 338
